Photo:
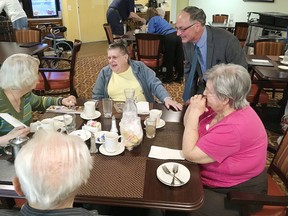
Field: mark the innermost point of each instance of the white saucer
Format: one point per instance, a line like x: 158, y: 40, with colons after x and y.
x: 183, y: 174
x: 121, y: 148
x: 100, y: 137
x: 285, y: 63
x: 97, y: 115
x: 160, y: 125
x: 83, y: 134
x: 283, y: 67
x: 281, y: 56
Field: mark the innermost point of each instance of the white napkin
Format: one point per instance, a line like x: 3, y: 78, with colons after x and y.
x: 142, y: 107
x: 11, y: 120
x: 165, y: 153
x: 260, y: 60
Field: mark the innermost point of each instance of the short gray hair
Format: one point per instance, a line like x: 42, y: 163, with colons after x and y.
x: 230, y: 81
x: 51, y: 167
x: 196, y: 14
x: 121, y: 45
x: 19, y: 71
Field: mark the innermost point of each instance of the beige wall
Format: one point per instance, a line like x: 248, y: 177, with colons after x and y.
x: 84, y: 22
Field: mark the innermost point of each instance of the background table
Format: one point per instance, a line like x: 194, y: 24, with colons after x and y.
x: 9, y: 48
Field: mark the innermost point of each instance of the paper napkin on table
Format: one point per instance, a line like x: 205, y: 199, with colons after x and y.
x: 11, y: 120
x: 142, y: 107
x: 165, y: 153
x: 260, y: 60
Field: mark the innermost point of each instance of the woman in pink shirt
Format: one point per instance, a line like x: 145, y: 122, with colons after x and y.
x: 225, y: 136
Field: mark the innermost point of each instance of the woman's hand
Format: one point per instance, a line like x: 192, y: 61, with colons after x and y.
x: 69, y: 101
x: 197, y: 106
x: 18, y: 131
x: 169, y: 102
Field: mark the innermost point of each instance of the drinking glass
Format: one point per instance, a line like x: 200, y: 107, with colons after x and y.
x: 107, y: 107
x: 150, y: 127
x: 70, y: 122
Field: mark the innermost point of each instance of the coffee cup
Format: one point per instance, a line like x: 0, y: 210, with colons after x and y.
x: 46, y: 124
x: 111, y: 143
x: 155, y: 113
x: 89, y: 109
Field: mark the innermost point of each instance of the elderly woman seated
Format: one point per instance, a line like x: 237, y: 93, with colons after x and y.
x: 19, y: 75
x: 225, y: 136
x: 124, y: 73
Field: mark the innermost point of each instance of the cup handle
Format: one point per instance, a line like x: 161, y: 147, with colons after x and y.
x: 120, y: 137
x: 6, y: 151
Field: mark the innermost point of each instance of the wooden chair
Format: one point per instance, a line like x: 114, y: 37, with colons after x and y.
x: 241, y: 32
x: 219, y: 18
x: 149, y: 50
x: 109, y: 34
x: 275, y: 201
x: 269, y: 47
x: 60, y: 78
x: 6, y: 31
x: 27, y: 35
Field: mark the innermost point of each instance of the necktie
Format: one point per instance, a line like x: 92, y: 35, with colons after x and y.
x: 188, y: 84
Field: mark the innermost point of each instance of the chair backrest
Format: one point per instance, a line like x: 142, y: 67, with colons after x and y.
x: 241, y: 30
x: 279, y: 164
x: 6, y: 31
x: 269, y: 47
x: 149, y: 46
x: 219, y: 18
x: 108, y: 32
x: 28, y: 35
x: 76, y: 48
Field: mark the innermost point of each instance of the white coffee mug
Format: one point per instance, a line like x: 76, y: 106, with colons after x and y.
x: 89, y: 108
x: 155, y: 113
x: 111, y: 143
x: 46, y: 124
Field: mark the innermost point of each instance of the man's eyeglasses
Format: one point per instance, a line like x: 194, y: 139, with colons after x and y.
x: 184, y: 29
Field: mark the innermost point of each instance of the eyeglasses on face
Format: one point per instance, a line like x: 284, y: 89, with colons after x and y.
x: 184, y: 29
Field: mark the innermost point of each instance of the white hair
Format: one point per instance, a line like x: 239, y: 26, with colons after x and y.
x: 51, y: 167
x: 19, y: 71
x: 230, y: 81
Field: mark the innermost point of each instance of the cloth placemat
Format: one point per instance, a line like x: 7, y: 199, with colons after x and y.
x: 116, y: 177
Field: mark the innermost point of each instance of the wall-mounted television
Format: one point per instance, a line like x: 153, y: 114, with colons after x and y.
x: 41, y: 8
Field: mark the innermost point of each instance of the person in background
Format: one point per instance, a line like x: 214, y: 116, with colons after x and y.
x: 19, y: 75
x: 50, y: 168
x: 215, y: 45
x: 173, y: 52
x: 225, y: 136
x: 124, y: 73
x: 15, y: 13
x: 120, y: 11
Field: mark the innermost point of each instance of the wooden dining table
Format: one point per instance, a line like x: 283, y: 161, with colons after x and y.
x: 130, y: 179
x: 9, y: 48
x: 267, y: 73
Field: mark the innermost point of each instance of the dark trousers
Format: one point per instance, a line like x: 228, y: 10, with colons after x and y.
x: 173, y: 56
x: 217, y: 204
